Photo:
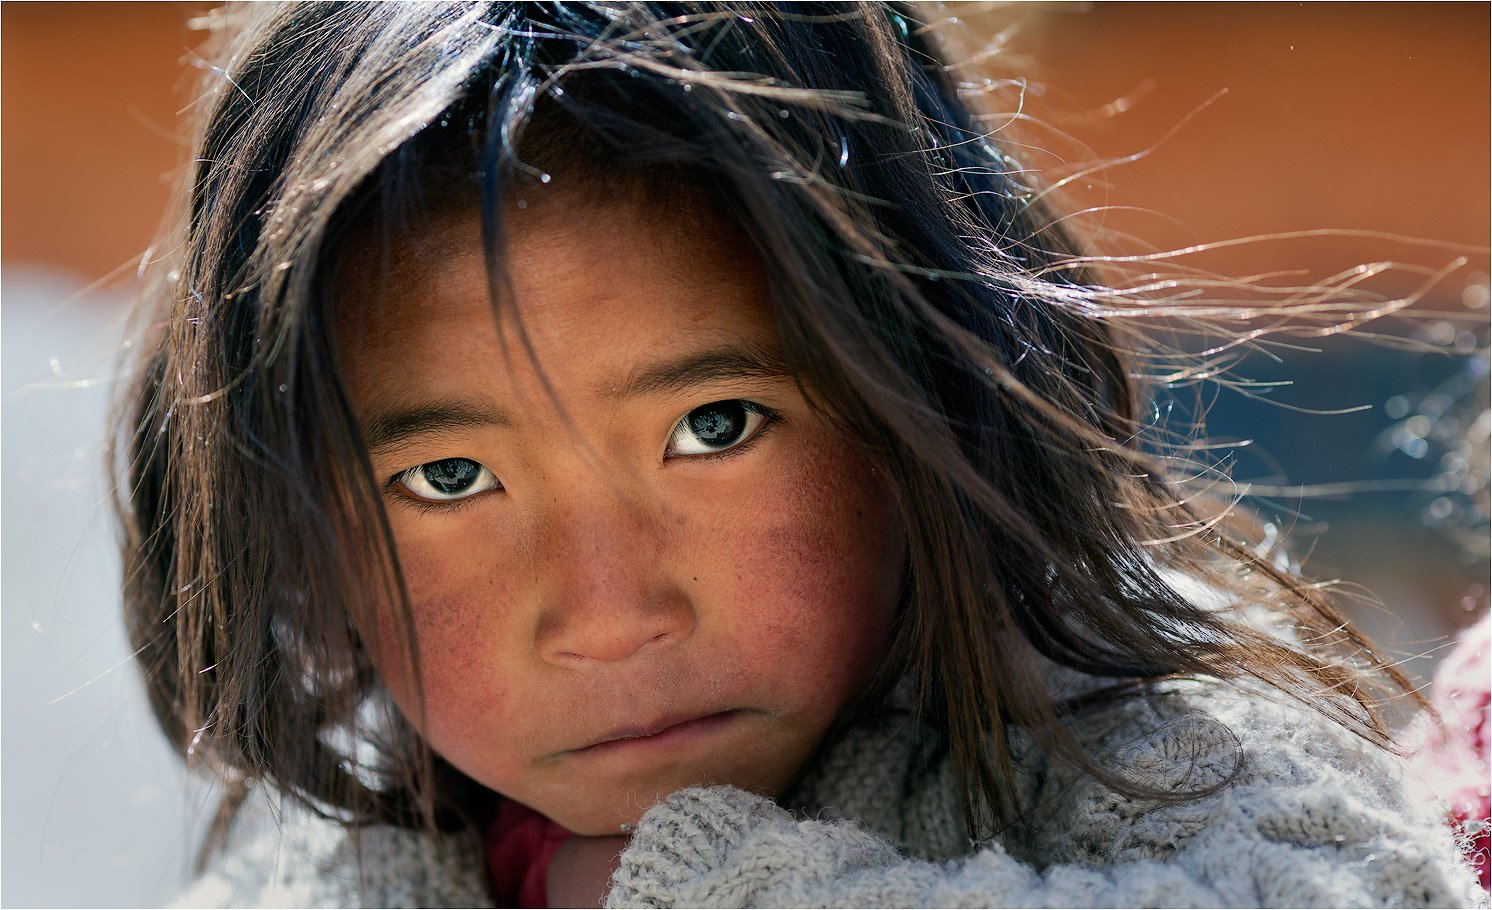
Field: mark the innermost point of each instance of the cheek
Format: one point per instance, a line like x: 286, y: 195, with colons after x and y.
x: 457, y: 629
x: 816, y: 574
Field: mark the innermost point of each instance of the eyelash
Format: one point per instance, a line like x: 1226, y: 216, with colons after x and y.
x: 770, y: 419
x: 447, y: 506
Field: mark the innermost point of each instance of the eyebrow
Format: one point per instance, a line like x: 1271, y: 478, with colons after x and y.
x: 740, y: 361
x: 388, y: 429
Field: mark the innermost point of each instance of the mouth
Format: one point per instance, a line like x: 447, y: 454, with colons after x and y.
x: 665, y: 733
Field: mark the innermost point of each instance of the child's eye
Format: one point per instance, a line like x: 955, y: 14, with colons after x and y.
x: 447, y: 479
x: 717, y: 427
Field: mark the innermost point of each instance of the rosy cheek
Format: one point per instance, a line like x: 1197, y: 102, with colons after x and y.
x: 449, y: 624
x: 466, y: 694
x: 818, y: 573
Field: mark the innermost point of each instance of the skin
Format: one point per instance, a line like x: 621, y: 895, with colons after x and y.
x: 581, y: 870
x: 612, y: 582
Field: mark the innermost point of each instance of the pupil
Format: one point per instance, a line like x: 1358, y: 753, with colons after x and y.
x: 452, y: 475
x: 717, y: 424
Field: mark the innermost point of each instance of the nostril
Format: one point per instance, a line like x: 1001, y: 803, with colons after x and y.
x: 595, y: 625
x: 594, y: 645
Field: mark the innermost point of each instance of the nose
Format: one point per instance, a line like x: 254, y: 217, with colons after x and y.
x: 605, y: 593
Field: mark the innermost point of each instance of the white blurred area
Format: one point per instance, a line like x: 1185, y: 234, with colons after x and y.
x: 97, y: 810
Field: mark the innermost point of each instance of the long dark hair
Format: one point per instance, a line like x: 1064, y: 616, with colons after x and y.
x: 922, y: 289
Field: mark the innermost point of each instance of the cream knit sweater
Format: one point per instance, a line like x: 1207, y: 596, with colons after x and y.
x: 1310, y: 816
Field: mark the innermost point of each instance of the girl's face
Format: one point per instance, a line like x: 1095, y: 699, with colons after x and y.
x: 681, y: 580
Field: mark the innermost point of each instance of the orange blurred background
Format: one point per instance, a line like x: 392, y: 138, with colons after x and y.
x: 1353, y: 116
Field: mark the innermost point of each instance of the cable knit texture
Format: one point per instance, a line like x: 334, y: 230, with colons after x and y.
x: 1303, y: 814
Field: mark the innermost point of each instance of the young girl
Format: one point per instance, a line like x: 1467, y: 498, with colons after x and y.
x: 668, y: 454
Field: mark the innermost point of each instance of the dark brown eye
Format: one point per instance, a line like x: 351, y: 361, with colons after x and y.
x: 716, y: 427
x: 719, y: 424
x: 449, y: 478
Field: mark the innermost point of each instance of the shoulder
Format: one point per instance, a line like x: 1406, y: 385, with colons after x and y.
x: 1285, y: 794
x: 289, y: 857
x: 893, y: 775
x: 1209, y: 735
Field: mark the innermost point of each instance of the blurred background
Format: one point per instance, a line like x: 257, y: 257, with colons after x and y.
x: 1370, y: 119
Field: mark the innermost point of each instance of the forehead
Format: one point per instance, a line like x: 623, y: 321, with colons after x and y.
x: 593, y: 280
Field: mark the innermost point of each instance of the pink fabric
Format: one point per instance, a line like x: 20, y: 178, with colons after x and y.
x: 1456, y: 760
x: 518, y: 846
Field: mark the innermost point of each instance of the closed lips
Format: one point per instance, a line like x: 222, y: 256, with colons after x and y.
x: 657, y: 728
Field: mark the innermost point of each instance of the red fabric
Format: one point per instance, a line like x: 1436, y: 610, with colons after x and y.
x: 1457, y: 760
x: 519, y: 845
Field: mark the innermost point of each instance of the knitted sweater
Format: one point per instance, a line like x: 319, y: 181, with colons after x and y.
x: 1307, y: 815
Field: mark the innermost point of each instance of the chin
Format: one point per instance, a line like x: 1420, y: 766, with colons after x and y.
x: 603, y: 821
x: 621, y: 816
